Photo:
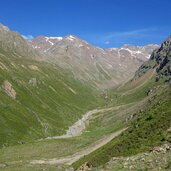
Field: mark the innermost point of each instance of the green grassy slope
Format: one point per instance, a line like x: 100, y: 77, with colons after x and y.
x: 49, y: 100
x: 101, y: 124
x: 146, y: 131
x: 125, y: 106
x: 40, y: 109
x: 149, y: 126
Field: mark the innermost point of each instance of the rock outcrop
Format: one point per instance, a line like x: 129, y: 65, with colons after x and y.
x: 85, y: 167
x: 9, y: 90
x: 159, y: 61
x: 2, y: 165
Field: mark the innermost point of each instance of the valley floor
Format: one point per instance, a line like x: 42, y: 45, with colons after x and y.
x: 55, y: 151
x: 68, y: 160
x: 58, y: 154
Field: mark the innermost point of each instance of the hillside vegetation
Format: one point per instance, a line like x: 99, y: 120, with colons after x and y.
x: 146, y: 131
x: 46, y: 100
x: 149, y: 127
x: 40, y: 99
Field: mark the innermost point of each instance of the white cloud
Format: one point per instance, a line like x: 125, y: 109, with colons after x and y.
x: 131, y: 33
x: 136, y: 36
x: 27, y: 37
x: 140, y: 36
x: 107, y: 42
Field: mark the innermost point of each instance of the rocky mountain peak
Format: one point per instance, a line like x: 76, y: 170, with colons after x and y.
x: 160, y: 61
x: 75, y: 40
x: 13, y: 42
x: 44, y: 43
x: 91, y: 63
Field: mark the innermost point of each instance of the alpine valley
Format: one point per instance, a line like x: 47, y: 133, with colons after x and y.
x: 67, y: 105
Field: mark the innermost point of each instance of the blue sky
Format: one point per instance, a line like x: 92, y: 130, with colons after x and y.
x: 104, y: 23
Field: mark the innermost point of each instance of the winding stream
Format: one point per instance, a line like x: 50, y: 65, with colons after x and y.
x: 78, y: 127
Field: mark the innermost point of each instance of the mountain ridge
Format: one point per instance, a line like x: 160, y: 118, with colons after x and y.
x: 101, y: 67
x: 44, y: 93
x: 149, y: 127
x: 12, y: 42
x: 159, y: 61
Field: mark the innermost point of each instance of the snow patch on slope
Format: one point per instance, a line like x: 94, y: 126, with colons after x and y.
x: 71, y: 38
x: 133, y: 53
x: 47, y: 40
x: 56, y: 38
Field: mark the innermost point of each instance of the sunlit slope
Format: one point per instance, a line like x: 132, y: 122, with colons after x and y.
x: 148, y: 127
x: 46, y: 102
x: 126, y: 106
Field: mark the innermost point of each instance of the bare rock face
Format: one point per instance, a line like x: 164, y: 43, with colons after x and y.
x: 159, y: 61
x: 7, y: 86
